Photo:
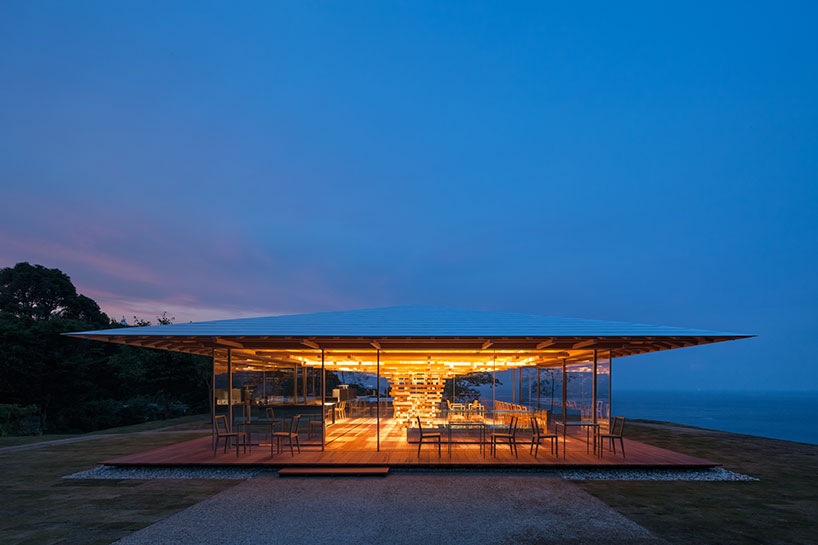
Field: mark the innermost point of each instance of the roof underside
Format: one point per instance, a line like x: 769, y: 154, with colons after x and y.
x: 413, y: 328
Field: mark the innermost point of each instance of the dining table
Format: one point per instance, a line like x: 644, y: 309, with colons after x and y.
x: 588, y: 425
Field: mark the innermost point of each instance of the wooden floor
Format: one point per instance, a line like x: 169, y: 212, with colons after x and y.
x: 353, y: 443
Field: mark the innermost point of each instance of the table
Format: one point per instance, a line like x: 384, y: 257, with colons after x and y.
x: 468, y: 424
x: 579, y: 424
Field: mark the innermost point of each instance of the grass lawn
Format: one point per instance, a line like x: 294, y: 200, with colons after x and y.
x: 37, y: 506
x: 15, y: 440
x: 780, y: 508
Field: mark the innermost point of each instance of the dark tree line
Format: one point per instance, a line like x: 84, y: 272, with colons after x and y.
x: 77, y: 385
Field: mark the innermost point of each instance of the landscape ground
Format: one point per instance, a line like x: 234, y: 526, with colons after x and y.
x: 38, y: 506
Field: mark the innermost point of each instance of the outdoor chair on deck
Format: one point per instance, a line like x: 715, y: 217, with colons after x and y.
x: 223, y: 431
x: 614, y: 433
x: 426, y: 436
x: 509, y: 435
x: 271, y: 420
x: 289, y: 435
x: 341, y: 410
x: 538, y: 434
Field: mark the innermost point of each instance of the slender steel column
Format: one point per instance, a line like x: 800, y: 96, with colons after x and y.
x: 610, y: 388
x: 230, y: 389
x: 378, y: 402
x: 513, y: 386
x: 304, y: 384
x: 295, y: 384
x: 538, y: 387
x: 323, y: 408
x: 564, y: 393
x: 494, y: 381
x: 593, y: 389
x: 520, y: 386
x: 213, y: 399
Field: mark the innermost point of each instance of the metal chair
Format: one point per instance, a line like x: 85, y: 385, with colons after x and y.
x: 223, y: 431
x: 290, y: 435
x: 538, y: 434
x: 614, y: 432
x: 271, y: 420
x: 510, y: 435
x: 427, y: 436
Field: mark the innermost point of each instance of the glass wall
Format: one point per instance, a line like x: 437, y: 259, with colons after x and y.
x: 603, y: 389
x: 580, y: 392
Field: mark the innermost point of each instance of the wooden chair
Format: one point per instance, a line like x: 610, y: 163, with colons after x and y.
x: 223, y: 431
x: 510, y: 435
x: 428, y: 437
x: 614, y: 432
x: 538, y: 434
x: 290, y: 435
x: 341, y: 410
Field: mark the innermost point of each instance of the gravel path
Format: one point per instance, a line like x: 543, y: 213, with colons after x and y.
x: 600, y: 474
x: 402, y: 508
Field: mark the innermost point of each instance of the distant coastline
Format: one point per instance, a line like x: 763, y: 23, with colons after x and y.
x: 778, y: 415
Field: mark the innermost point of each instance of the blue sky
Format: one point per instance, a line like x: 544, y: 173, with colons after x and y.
x: 645, y: 163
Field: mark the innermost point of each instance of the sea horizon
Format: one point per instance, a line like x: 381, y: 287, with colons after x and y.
x: 774, y: 414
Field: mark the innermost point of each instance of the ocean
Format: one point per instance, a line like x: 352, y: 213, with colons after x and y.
x: 779, y: 415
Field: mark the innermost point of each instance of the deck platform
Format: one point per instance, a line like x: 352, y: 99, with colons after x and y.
x: 353, y: 444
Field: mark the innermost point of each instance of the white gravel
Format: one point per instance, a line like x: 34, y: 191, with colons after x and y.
x: 145, y: 473
x: 602, y: 474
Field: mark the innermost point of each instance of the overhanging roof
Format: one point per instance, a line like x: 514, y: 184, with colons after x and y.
x: 410, y: 327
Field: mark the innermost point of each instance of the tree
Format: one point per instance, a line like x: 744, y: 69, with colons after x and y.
x: 467, y: 385
x: 38, y: 365
x: 172, y: 376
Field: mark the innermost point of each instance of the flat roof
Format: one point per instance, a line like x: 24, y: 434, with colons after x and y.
x: 411, y: 327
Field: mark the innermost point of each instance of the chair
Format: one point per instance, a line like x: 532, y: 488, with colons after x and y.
x: 538, y: 434
x: 314, y: 427
x: 290, y: 435
x: 427, y: 436
x: 223, y: 431
x: 614, y: 432
x: 341, y: 410
x: 510, y: 435
x: 271, y: 419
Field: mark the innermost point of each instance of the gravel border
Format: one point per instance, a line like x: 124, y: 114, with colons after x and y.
x: 602, y: 474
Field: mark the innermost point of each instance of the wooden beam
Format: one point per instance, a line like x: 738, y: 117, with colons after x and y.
x: 487, y: 345
x: 544, y: 344
x: 311, y: 344
x: 225, y: 342
x: 376, y: 345
x: 583, y: 344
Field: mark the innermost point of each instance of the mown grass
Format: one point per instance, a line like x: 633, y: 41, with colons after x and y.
x: 15, y: 440
x: 38, y: 507
x: 781, y: 508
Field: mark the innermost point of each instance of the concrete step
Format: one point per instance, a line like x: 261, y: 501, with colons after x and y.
x: 333, y: 472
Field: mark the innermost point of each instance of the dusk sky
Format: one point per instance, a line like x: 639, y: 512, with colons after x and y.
x: 650, y: 163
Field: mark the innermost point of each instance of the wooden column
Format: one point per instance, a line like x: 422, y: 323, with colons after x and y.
x: 323, y: 408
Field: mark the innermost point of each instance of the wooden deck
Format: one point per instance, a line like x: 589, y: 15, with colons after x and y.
x: 353, y: 444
